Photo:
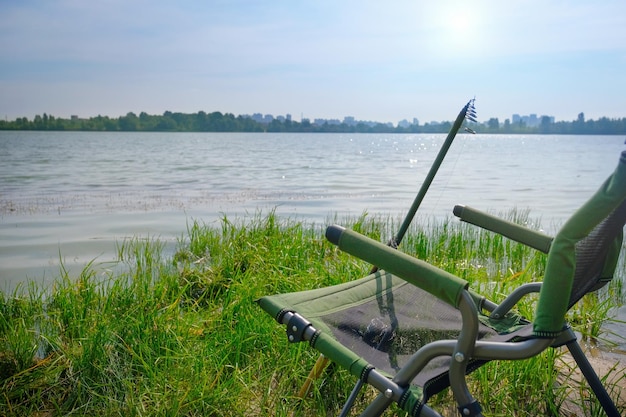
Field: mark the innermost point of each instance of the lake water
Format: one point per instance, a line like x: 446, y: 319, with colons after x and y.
x: 73, y: 195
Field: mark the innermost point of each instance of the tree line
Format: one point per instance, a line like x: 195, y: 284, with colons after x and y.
x: 228, y: 122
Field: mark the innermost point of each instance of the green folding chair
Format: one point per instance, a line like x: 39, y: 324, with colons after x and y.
x: 411, y: 330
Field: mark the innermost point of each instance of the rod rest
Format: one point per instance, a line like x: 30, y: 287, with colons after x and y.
x: 516, y: 232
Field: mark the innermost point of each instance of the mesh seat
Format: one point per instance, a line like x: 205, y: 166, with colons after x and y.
x: 389, y: 321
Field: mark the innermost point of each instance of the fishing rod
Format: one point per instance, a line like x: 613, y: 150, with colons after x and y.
x: 468, y: 112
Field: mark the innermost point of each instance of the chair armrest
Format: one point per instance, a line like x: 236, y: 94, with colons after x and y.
x: 521, y: 234
x: 438, y: 282
x: 512, y: 299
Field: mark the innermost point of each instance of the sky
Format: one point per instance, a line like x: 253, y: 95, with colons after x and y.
x: 373, y: 60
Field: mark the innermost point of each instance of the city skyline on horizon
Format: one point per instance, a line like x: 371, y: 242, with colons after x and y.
x: 532, y: 119
x: 515, y: 117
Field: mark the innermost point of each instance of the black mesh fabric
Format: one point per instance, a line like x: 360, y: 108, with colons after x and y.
x: 591, y: 254
x: 387, y: 330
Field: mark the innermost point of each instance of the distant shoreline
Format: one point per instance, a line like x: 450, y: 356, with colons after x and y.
x: 227, y: 122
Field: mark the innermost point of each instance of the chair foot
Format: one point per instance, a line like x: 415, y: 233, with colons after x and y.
x: 592, y: 379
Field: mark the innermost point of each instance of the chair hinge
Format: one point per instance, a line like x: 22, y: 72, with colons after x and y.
x: 296, y: 327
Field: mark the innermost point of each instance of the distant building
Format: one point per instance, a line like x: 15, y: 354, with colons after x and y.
x: 349, y: 120
x: 531, y: 120
x: 259, y: 118
x: 405, y: 123
x: 321, y: 122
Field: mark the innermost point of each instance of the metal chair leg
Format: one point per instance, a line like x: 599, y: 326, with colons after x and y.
x: 592, y: 378
x: 351, y: 399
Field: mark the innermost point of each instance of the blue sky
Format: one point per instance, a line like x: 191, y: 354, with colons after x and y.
x: 374, y: 60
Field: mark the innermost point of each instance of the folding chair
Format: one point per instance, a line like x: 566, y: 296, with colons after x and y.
x: 411, y: 330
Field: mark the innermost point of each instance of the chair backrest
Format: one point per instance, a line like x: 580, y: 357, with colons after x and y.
x: 583, y: 251
x: 597, y: 255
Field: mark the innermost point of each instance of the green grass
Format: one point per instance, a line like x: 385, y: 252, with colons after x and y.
x: 181, y: 335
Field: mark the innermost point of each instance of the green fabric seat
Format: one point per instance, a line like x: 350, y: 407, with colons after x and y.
x: 383, y: 320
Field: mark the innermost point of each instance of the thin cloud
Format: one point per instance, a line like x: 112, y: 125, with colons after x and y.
x: 377, y: 61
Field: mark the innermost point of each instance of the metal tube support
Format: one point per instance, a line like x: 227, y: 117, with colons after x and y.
x: 510, y: 350
x: 509, y: 302
x: 389, y: 392
x: 352, y: 398
x: 462, y: 354
x: 592, y: 379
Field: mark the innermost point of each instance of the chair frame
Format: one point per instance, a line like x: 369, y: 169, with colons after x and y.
x: 549, y: 329
x: 466, y: 346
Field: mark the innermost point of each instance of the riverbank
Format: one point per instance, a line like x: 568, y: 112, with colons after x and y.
x: 181, y: 334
